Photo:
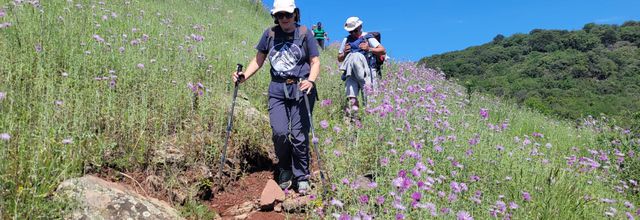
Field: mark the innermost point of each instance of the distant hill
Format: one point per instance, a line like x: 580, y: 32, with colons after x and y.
x: 568, y: 73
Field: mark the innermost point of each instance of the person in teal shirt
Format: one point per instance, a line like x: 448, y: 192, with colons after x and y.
x: 320, y: 35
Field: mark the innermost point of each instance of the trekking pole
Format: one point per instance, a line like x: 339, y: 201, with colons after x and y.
x: 315, y: 147
x: 229, y: 125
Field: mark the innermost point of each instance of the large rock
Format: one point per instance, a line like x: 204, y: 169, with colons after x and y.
x: 270, y: 194
x: 100, y: 199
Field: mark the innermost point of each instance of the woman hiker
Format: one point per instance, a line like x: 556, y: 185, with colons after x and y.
x: 295, y: 65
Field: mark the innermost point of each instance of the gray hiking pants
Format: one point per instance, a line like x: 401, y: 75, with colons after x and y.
x: 358, y: 74
x: 290, y: 126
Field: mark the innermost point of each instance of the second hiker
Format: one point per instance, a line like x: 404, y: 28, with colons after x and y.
x: 357, y: 54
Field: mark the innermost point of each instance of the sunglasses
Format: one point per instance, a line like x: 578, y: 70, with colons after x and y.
x: 355, y: 30
x: 281, y: 15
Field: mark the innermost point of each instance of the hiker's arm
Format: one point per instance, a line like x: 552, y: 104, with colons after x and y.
x: 313, y: 75
x: 341, y: 56
x: 253, y: 67
x: 379, y: 50
x: 345, y: 48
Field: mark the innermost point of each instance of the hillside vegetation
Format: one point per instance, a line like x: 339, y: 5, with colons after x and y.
x: 88, y: 85
x: 568, y: 73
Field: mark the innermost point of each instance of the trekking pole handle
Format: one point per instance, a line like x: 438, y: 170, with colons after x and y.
x: 241, y: 76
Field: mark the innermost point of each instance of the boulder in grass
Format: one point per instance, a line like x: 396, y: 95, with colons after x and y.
x: 100, y: 199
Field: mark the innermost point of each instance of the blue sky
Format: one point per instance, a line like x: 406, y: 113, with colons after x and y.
x: 412, y: 29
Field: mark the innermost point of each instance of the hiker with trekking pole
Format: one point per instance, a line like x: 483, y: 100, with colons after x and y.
x: 295, y: 64
x: 361, y: 56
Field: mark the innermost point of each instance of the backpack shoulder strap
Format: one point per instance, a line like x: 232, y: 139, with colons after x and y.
x: 302, y: 32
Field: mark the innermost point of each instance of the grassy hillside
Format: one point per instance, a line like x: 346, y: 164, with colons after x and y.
x: 568, y: 73
x: 94, y: 84
x: 89, y: 85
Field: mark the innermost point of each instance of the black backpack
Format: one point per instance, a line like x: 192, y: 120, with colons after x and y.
x: 379, y: 59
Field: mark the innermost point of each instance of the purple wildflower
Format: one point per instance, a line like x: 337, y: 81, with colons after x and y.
x: 135, y: 42
x: 484, y: 113
x: 344, y: 216
x: 337, y: 153
x: 399, y: 216
x: 121, y: 49
x: 325, y: 103
x: 5, y: 136
x: 336, y: 202
x: 5, y: 25
x: 3, y: 95
x: 416, y: 196
x: 526, y: 196
x: 384, y: 161
x: 462, y: 215
x: 380, y: 200
x: 38, y: 48
x: 337, y: 129
x: 364, y: 199
x: 98, y: 38
x: 2, y: 13
x: 455, y: 187
x: 513, y: 205
x: 324, y: 124
x: 67, y: 141
x: 140, y: 66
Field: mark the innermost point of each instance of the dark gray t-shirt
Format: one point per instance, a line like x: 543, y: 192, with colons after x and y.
x: 288, y: 58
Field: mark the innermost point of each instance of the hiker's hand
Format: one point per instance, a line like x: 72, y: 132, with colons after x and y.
x: 238, y: 77
x: 347, y: 48
x: 306, y: 86
x: 364, y: 46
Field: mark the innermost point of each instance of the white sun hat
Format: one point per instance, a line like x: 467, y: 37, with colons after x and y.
x: 283, y: 5
x: 352, y: 23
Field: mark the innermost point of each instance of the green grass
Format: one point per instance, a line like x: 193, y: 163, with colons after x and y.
x: 64, y: 126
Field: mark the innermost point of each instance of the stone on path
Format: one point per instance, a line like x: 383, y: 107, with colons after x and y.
x: 298, y: 203
x: 270, y: 194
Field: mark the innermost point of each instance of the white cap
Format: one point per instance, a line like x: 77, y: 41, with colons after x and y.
x: 352, y: 23
x: 283, y: 5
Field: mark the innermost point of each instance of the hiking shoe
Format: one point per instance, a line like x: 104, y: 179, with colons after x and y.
x: 284, y: 180
x: 304, y: 188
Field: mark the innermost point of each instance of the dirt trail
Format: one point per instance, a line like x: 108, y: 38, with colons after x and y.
x: 248, y: 189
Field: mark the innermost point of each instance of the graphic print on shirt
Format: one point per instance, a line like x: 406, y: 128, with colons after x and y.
x: 284, y: 57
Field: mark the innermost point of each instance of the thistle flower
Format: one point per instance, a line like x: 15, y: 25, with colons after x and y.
x: 324, y: 124
x: 38, y: 48
x: 5, y: 25
x: 484, y: 113
x: 336, y: 202
x: 526, y: 196
x: 364, y: 199
x: 380, y: 200
x: 463, y: 215
x: 325, y: 103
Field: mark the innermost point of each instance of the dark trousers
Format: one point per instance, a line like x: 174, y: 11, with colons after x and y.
x: 321, y: 43
x: 290, y: 126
